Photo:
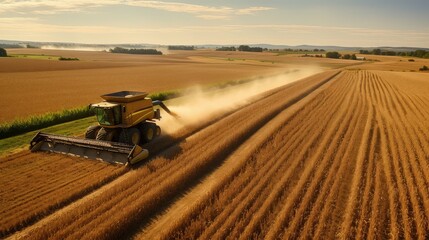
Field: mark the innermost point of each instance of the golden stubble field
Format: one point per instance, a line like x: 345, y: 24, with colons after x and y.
x: 341, y: 154
x: 31, y: 86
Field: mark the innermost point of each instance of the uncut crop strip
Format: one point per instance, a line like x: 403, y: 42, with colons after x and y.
x: 151, y: 186
x: 340, y: 196
x: 34, y: 185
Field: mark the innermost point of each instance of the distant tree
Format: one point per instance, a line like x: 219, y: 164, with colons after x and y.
x: 246, y: 48
x: 181, y: 47
x: 419, y: 53
x: 347, y: 56
x: 3, y: 52
x: 387, y: 53
x: 68, y: 59
x: 424, y: 68
x: 30, y: 46
x: 226, y: 49
x: 376, y: 51
x: 333, y: 55
x: 354, y: 57
x: 5, y: 45
x: 135, y: 51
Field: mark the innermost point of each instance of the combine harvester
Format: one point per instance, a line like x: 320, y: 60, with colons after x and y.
x: 126, y: 121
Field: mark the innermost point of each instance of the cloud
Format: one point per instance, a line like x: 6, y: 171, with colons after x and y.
x: 252, y: 10
x: 31, y: 24
x: 213, y: 17
x: 58, y: 6
x: 50, y: 6
x: 181, y: 7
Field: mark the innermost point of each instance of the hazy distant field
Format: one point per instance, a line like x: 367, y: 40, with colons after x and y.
x: 34, y: 86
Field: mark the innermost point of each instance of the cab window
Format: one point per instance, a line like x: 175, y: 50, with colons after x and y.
x: 108, y: 116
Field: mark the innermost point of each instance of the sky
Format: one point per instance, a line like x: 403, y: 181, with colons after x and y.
x: 350, y: 23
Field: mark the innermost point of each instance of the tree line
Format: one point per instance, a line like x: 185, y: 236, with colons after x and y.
x: 242, y: 48
x: 181, y: 47
x: 337, y: 55
x: 258, y: 49
x: 135, y: 51
x: 416, y: 53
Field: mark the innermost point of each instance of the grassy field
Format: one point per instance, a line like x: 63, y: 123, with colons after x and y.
x: 16, y: 143
x: 42, y: 121
x: 35, y: 56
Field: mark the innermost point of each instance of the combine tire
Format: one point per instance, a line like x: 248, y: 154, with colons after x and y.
x: 91, y: 132
x: 131, y: 136
x: 149, y: 132
x: 105, y: 134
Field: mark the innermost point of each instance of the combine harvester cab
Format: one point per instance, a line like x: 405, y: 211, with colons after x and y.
x: 126, y: 121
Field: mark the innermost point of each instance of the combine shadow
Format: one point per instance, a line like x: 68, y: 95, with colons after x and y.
x: 165, y: 146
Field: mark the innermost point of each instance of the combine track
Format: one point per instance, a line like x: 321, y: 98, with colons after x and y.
x: 332, y: 156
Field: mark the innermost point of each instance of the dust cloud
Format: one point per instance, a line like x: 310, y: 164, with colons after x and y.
x: 200, y: 105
